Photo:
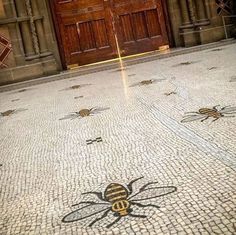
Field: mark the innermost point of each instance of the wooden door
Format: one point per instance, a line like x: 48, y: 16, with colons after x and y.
x: 85, y: 31
x: 91, y: 30
x: 140, y: 25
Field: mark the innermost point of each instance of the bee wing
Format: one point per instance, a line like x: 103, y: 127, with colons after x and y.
x: 70, y: 116
x: 135, y: 84
x: 192, y: 118
x: 152, y: 192
x: 19, y: 110
x: 98, y: 109
x: 158, y: 80
x: 228, y: 110
x: 85, y: 212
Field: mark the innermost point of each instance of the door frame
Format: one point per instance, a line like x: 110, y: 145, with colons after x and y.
x: 58, y: 34
x: 59, y: 39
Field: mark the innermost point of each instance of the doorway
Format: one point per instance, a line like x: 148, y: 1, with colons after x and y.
x: 91, y: 31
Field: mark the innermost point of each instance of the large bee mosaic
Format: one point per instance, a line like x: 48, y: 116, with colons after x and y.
x: 205, y: 113
x: 83, y: 113
x: 120, y: 201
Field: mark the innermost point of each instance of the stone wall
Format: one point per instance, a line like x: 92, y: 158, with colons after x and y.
x: 28, y: 46
x: 197, y: 22
x: 27, y: 25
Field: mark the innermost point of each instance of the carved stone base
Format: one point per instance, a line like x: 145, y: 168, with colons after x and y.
x: 45, y: 67
x: 189, y: 37
x: 208, y: 35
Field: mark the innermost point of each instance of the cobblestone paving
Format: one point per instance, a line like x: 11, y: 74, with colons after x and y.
x: 120, y: 129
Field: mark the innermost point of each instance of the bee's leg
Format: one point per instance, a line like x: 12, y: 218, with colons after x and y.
x: 192, y: 113
x: 228, y: 116
x: 114, y: 222
x: 74, y: 117
x: 234, y: 112
x: 130, y: 185
x: 138, y: 216
x: 225, y: 107
x: 102, y: 217
x: 141, y: 205
x: 90, y: 203
x: 98, y: 194
x: 215, y: 119
x: 204, y: 119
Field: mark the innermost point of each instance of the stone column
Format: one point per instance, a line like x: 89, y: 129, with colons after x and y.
x: 201, y: 12
x: 187, y: 32
x: 185, y: 14
x: 39, y: 28
x: 25, y: 28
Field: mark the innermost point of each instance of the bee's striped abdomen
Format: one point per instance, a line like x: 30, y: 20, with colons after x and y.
x: 210, y: 112
x: 115, y: 192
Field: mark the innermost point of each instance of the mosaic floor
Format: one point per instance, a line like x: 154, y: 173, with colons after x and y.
x: 148, y: 149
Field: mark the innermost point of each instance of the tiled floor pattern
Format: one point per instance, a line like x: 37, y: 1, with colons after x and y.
x: 46, y: 163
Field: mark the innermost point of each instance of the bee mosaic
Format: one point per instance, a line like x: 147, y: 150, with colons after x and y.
x: 119, y: 200
x: 184, y: 63
x: 217, y: 49
x: 78, y: 97
x: 170, y: 93
x: 22, y: 90
x: 83, y: 113
x: 10, y: 112
x: 212, y: 68
x: 75, y: 87
x: 204, y: 113
x: 14, y: 100
x: 147, y: 82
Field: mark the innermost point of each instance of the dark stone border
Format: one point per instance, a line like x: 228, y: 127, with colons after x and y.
x: 114, y: 65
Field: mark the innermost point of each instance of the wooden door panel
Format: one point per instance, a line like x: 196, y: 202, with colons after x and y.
x: 140, y: 25
x: 86, y: 31
x: 88, y: 28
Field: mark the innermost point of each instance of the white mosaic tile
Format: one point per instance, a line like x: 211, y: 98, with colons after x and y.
x: 120, y: 129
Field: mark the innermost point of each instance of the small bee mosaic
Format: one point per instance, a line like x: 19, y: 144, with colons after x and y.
x: 170, y: 93
x: 10, y: 112
x: 212, y: 68
x: 147, y: 82
x: 119, y: 200
x: 14, y: 100
x: 205, y: 113
x: 78, y: 97
x: 75, y: 87
x: 22, y: 90
x: 217, y: 49
x: 185, y: 63
x: 83, y: 113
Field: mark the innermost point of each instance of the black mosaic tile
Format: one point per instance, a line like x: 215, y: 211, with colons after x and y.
x: 147, y: 82
x: 91, y: 141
